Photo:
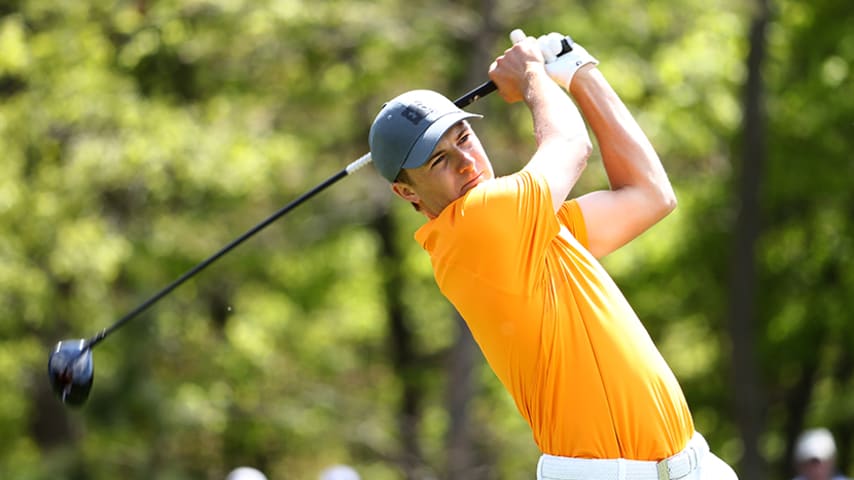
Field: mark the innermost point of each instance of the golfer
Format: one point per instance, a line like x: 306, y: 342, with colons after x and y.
x: 519, y: 262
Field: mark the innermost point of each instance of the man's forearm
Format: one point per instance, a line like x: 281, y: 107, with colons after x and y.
x: 627, y: 154
x: 554, y: 115
x: 563, y: 143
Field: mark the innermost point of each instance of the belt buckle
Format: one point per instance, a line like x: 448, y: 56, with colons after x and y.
x: 689, y: 456
x: 663, y: 470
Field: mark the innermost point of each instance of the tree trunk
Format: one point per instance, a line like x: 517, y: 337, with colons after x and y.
x: 842, y: 430
x: 404, y: 358
x: 747, y: 392
x: 459, y: 391
x: 797, y: 401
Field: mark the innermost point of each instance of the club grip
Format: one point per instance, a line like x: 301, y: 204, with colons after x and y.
x: 481, y: 91
x: 488, y: 87
x: 565, y: 45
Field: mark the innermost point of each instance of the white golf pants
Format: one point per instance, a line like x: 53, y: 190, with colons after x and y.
x: 695, y: 462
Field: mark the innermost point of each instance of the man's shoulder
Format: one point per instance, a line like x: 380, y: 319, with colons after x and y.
x: 505, y: 191
x: 496, y: 211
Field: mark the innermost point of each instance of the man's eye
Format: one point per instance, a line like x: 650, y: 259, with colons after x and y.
x: 464, y: 139
x: 437, y: 161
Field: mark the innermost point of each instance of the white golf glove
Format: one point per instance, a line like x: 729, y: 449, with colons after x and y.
x: 560, y: 68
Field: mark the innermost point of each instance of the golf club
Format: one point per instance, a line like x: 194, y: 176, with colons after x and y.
x: 70, y: 366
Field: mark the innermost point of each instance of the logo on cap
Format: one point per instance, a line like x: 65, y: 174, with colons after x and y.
x: 416, y: 112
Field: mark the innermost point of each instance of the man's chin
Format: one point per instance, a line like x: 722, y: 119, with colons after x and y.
x: 472, y: 183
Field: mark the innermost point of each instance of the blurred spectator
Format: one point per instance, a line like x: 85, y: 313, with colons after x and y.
x: 245, y: 473
x: 815, y: 456
x: 339, y: 472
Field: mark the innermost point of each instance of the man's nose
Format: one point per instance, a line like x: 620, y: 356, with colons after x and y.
x: 465, y: 162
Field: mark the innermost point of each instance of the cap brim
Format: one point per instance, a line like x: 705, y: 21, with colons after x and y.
x: 425, y: 145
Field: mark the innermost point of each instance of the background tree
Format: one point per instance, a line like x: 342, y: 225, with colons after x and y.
x: 138, y: 137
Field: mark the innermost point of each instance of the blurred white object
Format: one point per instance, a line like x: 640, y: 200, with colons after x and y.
x: 245, y: 473
x: 339, y: 472
x: 815, y: 444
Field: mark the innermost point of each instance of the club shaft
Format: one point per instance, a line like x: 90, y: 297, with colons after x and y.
x: 472, y: 96
x: 476, y: 94
x: 208, y: 261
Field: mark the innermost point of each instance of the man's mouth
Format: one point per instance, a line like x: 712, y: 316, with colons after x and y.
x: 472, y: 183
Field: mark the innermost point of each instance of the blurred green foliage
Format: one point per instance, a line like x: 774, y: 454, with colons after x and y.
x: 138, y: 137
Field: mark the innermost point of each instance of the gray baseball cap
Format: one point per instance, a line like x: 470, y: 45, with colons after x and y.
x: 408, y: 128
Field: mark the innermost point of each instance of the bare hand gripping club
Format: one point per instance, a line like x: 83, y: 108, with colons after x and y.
x: 70, y: 367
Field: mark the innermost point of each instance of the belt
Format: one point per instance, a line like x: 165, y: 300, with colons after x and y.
x: 677, y: 467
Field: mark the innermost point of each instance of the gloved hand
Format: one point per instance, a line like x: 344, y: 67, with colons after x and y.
x: 561, y: 67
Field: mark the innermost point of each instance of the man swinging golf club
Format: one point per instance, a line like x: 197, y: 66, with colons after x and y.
x: 519, y: 262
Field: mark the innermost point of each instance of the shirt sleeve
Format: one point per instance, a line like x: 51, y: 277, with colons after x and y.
x: 571, y: 217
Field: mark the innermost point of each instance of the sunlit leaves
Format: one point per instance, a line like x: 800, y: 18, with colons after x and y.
x: 138, y: 137
x: 16, y: 57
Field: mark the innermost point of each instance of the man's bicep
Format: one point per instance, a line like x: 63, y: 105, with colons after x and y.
x: 615, y: 217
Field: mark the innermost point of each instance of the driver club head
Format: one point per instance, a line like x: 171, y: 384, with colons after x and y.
x: 71, y: 371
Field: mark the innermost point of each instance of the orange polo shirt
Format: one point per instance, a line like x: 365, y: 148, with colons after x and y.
x: 553, y: 326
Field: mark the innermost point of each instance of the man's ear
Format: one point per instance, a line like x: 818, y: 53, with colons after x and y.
x: 405, y: 192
